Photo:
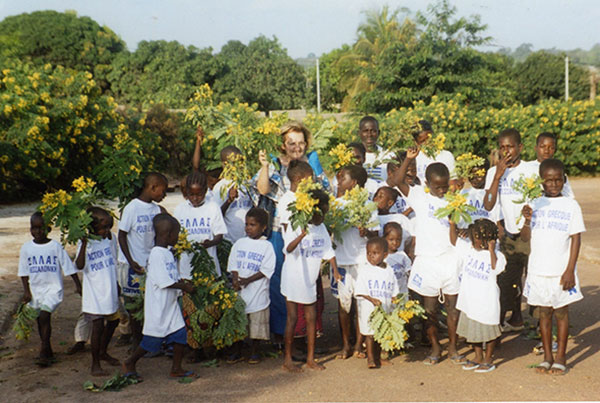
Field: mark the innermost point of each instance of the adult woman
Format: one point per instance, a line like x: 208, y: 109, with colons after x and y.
x: 271, y: 183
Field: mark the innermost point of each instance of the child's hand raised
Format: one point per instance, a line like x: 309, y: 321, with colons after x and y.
x: 412, y: 152
x: 491, y: 244
x: 233, y: 194
x: 200, y: 134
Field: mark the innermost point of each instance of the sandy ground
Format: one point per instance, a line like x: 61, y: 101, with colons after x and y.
x: 407, y: 380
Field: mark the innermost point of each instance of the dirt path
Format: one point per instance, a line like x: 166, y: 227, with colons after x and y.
x: 408, y: 379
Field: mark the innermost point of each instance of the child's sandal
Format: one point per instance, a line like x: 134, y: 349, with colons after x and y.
x: 558, y: 369
x: 543, y: 367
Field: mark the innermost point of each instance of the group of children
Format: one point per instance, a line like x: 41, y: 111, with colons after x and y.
x: 474, y: 271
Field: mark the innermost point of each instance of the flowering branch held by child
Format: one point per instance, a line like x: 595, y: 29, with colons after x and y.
x: 389, y: 328
x: 359, y: 209
x: 235, y: 170
x: 341, y: 156
x: 457, y: 208
x: 433, y: 145
x: 305, y: 206
x: 465, y: 164
x: 530, y: 189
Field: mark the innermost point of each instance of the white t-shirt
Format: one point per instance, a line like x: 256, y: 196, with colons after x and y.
x: 400, y: 264
x: 162, y: 314
x: 136, y: 220
x: 379, y: 172
x: 43, y: 263
x: 567, y: 190
x: 285, y: 200
x: 249, y: 256
x: 423, y: 161
x: 554, y: 220
x: 302, y: 266
x: 376, y: 282
x: 235, y: 216
x: 405, y: 223
x: 506, y: 195
x: 475, y: 198
x: 479, y: 294
x: 99, y: 286
x: 353, y: 248
x: 201, y: 223
x: 432, y: 234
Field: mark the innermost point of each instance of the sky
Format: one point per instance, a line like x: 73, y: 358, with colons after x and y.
x: 318, y: 26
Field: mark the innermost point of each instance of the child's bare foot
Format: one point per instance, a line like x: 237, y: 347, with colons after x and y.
x: 290, y: 367
x: 110, y: 359
x: 372, y: 364
x: 359, y: 354
x: 315, y: 365
x: 98, y: 371
x: 344, y: 354
x: 182, y: 373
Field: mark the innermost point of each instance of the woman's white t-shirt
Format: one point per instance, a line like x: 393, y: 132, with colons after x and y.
x: 162, y: 314
x: 249, y: 256
x: 235, y: 216
x: 201, y: 223
x: 99, y: 286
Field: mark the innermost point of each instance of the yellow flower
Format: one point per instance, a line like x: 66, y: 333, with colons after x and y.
x: 82, y: 184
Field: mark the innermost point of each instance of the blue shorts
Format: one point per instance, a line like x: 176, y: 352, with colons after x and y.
x: 152, y: 344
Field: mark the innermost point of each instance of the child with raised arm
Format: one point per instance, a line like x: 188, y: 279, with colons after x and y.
x: 553, y: 224
x: 252, y: 263
x: 434, y: 272
x: 397, y: 259
x: 421, y: 133
x: 304, y: 250
x: 163, y: 320
x: 97, y: 259
x: 376, y: 285
x: 136, y: 239
x: 203, y: 221
x: 498, y: 189
x: 479, y: 295
x: 350, y: 251
x: 40, y: 264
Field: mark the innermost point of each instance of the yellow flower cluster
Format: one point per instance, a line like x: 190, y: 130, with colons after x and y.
x: 82, y: 184
x: 341, y: 156
x: 183, y: 244
x: 304, y: 202
x: 51, y: 201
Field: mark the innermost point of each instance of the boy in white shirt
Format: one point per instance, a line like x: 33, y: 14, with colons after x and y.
x: 163, y: 320
x: 545, y: 147
x: 202, y: 220
x: 252, y: 263
x: 498, y: 188
x: 553, y: 224
x: 97, y: 259
x: 368, y: 131
x: 40, y: 264
x: 375, y: 285
x: 435, y: 268
x: 397, y: 259
x: 136, y: 239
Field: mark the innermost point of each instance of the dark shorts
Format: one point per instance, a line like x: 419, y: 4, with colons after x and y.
x: 510, y: 280
x: 153, y: 344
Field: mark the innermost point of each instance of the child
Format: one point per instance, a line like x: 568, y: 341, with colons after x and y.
x: 359, y: 159
x: 100, y: 299
x: 368, y: 131
x: 545, y: 147
x: 554, y: 224
x: 479, y: 295
x: 234, y: 203
x: 498, y: 188
x: 397, y: 259
x: 304, y: 250
x: 375, y: 285
x: 400, y: 206
x: 434, y: 271
x: 202, y: 220
x: 40, y: 263
x: 349, y: 253
x: 252, y: 263
x: 136, y: 239
x: 163, y: 321
x: 421, y: 132
x: 298, y: 170
x: 386, y: 197
x: 476, y: 194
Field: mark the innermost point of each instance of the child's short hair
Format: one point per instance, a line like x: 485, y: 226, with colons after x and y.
x: 97, y: 213
x: 164, y: 222
x: 378, y: 241
x: 196, y: 178
x: 436, y: 169
x: 391, y: 192
x: 512, y: 133
x: 356, y: 172
x: 259, y: 214
x: 422, y: 126
x: 391, y: 226
x: 484, y: 230
x: 321, y: 196
x: 360, y: 148
x: 551, y: 163
x: 229, y: 150
x: 366, y: 119
x: 545, y: 135
x: 36, y: 215
x: 155, y: 178
x: 299, y: 169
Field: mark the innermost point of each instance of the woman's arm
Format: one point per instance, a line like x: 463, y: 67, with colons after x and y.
x: 262, y: 183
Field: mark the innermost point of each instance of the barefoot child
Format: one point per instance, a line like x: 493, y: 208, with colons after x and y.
x: 554, y: 224
x: 397, y: 259
x: 434, y: 272
x: 304, y: 252
x: 479, y: 295
x: 375, y: 285
x: 252, y: 263
x: 40, y: 264
x: 97, y: 259
x: 163, y: 321
x: 136, y: 239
